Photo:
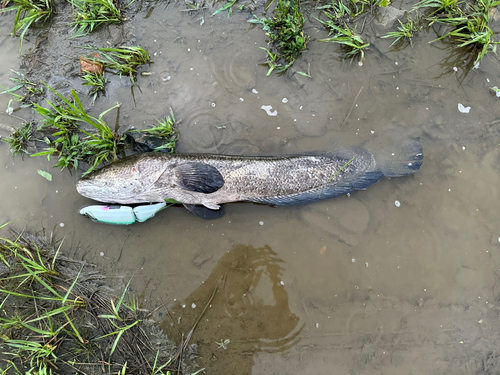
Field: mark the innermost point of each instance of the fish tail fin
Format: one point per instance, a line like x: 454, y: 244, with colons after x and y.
x: 395, y: 158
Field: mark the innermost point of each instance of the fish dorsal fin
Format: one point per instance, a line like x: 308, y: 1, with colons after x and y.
x: 198, y: 177
x: 205, y: 213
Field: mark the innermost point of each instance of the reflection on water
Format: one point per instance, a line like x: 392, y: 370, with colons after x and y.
x: 250, y: 308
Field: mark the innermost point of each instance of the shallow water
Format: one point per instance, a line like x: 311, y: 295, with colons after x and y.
x: 353, y: 285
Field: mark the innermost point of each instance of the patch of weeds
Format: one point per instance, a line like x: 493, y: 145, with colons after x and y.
x: 22, y: 83
x: 469, y: 20
x: 228, y: 6
x: 89, y: 14
x: 54, y: 318
x: 96, y: 81
x: 405, y: 32
x: 125, y: 60
x: 19, y: 140
x: 438, y: 6
x: 339, y: 11
x: 351, y: 41
x: 164, y: 130
x: 28, y: 13
x: 70, y: 142
x: 286, y: 35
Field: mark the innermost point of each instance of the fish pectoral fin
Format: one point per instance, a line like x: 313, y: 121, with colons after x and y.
x: 198, y: 177
x: 204, y: 212
x: 212, y: 206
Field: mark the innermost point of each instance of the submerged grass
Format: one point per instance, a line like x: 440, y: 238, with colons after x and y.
x: 287, y: 38
x: 90, y: 14
x: 74, y: 136
x: 405, y: 32
x: 351, y: 41
x: 96, y: 81
x: 19, y: 140
x: 124, y: 60
x: 469, y: 20
x: 73, y: 143
x: 54, y: 318
x: 28, y: 13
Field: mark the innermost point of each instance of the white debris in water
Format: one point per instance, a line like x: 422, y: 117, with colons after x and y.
x: 397, y: 203
x: 184, y: 306
x: 425, y: 290
x: 372, y: 131
x: 282, y: 283
x: 191, y: 68
x: 463, y: 109
x: 261, y: 223
x: 9, y: 111
x: 487, y: 80
x: 476, y: 66
x: 366, y: 264
x: 242, y: 99
x: 317, y: 325
x: 360, y: 63
x: 348, y: 195
x: 193, y: 305
x: 61, y: 225
x: 101, y: 253
x: 189, y: 49
x: 455, y: 69
x: 278, y: 128
x: 268, y: 109
x: 213, y: 105
x: 154, y: 40
x: 301, y: 107
x: 166, y: 78
x: 397, y: 88
x: 449, y: 189
x: 395, y: 63
x: 463, y: 148
x: 392, y: 154
x: 498, y: 239
x: 353, y: 260
x: 255, y: 91
x: 284, y: 100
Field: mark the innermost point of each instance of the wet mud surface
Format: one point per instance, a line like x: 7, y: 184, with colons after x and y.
x: 400, y: 278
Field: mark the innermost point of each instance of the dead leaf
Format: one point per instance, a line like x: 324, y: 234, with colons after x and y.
x: 89, y: 66
x: 323, y: 249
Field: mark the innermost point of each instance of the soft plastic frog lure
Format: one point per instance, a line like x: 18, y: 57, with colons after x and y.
x: 121, y: 215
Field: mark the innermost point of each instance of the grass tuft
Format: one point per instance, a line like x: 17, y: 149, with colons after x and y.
x: 19, y: 140
x: 351, y: 41
x: 29, y: 12
x: 286, y: 35
x: 53, y: 319
x: 90, y: 14
x: 125, y: 60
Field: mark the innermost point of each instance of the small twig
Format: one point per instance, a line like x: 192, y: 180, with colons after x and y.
x: 352, y: 106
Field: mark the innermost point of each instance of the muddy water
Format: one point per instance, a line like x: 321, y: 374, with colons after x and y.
x: 353, y: 285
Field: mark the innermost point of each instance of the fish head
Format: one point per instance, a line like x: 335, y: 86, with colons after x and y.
x: 126, y: 181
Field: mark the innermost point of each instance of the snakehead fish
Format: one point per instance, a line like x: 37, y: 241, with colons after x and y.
x: 202, y: 182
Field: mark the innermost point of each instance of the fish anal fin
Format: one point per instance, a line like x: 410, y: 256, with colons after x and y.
x: 204, y: 212
x: 198, y: 177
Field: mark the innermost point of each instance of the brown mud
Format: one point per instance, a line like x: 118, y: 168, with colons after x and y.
x: 399, y: 279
